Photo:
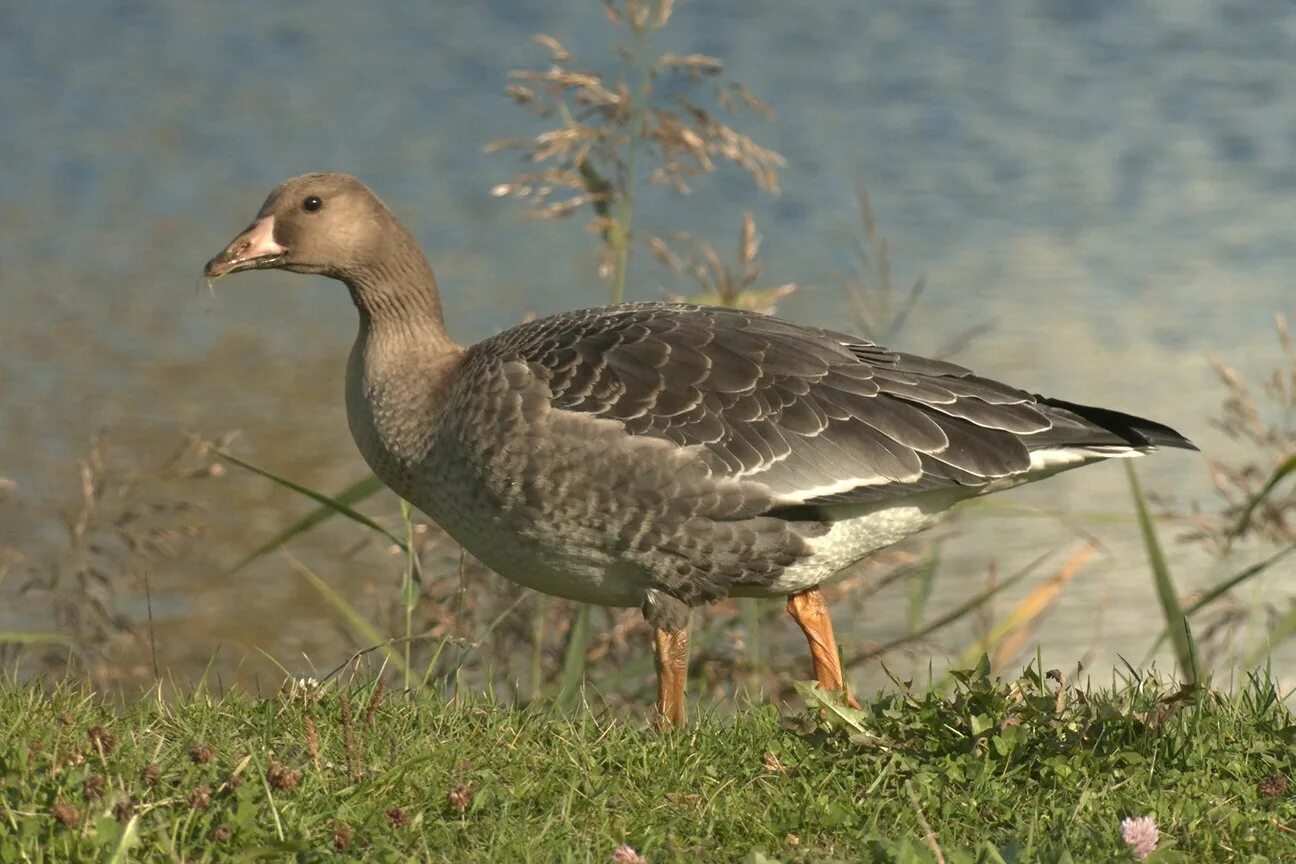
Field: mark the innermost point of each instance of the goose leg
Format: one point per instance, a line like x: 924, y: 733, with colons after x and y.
x: 811, y: 613
x: 668, y: 616
x: 670, y: 650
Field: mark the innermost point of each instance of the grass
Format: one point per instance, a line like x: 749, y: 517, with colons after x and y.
x: 1176, y: 623
x: 1027, y: 770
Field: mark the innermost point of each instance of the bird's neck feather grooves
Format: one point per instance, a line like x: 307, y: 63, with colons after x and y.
x: 396, y: 294
x: 403, y: 360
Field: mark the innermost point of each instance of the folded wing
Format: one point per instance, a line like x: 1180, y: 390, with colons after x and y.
x: 819, y: 417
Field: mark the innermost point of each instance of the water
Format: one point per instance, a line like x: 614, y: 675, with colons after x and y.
x: 1114, y: 189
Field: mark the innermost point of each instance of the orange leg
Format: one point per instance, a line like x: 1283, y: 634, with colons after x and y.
x: 811, y: 613
x: 670, y: 650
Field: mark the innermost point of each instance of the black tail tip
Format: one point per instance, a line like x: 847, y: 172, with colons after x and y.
x: 1138, y: 431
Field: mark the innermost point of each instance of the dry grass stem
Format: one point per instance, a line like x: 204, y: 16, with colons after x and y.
x: 613, y: 131
x: 721, y: 283
x: 129, y: 516
x: 1262, y: 418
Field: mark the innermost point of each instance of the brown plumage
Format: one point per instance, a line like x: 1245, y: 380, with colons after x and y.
x: 660, y: 455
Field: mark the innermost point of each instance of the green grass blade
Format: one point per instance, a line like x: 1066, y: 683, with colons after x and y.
x: 751, y: 621
x: 1219, y: 589
x: 126, y: 840
x: 1233, y: 581
x: 920, y: 588
x: 833, y: 704
x: 357, y: 622
x: 411, y: 582
x: 1176, y: 623
x: 319, y: 498
x: 573, y: 671
x: 354, y: 493
x: 538, y: 631
x: 1279, y: 473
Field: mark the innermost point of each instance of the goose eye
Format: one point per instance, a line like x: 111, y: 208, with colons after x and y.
x: 312, y: 204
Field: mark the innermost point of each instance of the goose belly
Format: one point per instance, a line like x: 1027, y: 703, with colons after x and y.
x: 566, y: 566
x: 569, y: 561
x: 848, y: 540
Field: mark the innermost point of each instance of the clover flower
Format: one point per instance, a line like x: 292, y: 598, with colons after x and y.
x: 1140, y: 835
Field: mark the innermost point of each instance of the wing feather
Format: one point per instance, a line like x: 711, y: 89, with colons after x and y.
x: 818, y: 416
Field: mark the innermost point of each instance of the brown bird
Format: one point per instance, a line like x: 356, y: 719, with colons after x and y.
x: 660, y: 455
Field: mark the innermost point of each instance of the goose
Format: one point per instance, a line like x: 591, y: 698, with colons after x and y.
x: 660, y: 455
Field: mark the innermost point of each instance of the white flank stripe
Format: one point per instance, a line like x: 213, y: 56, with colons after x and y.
x: 1057, y: 459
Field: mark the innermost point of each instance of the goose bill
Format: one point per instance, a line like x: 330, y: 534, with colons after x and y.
x: 254, y: 249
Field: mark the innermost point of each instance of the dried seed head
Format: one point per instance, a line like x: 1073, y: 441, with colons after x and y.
x: 771, y: 763
x: 750, y: 100
x: 101, y: 739
x: 312, y: 742
x: 66, y: 814
x: 371, y: 710
x: 342, y: 834
x: 397, y: 818
x: 556, y: 50
x: 281, y: 777
x: 150, y: 773
x: 201, y: 754
x: 124, y: 809
x: 222, y: 833
x: 664, y: 8
x: 637, y: 12
x: 66, y: 719
x: 199, y: 798
x: 749, y: 240
x: 233, y: 781
x: 460, y: 797
x: 598, y: 119
x: 1273, y: 786
x: 521, y: 95
x: 697, y: 66
x: 93, y: 787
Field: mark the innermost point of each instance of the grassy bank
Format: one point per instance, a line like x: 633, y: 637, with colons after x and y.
x: 1028, y: 770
